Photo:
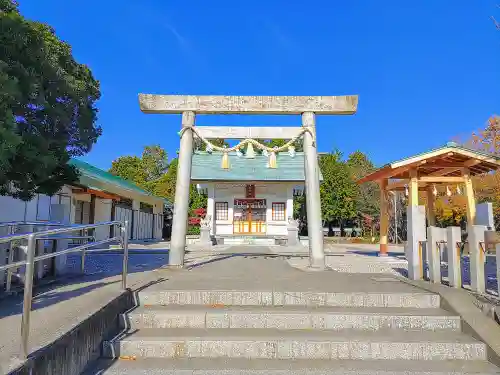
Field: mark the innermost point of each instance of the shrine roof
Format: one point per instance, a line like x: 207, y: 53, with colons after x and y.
x: 207, y: 167
x: 446, y: 161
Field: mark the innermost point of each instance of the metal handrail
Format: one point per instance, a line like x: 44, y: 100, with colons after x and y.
x: 30, y: 260
x: 41, y: 223
x: 66, y: 238
x: 64, y: 229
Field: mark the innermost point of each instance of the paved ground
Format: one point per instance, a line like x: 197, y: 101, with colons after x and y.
x: 256, y: 272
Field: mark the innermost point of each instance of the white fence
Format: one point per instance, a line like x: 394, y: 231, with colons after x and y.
x: 122, y: 214
x: 142, y: 225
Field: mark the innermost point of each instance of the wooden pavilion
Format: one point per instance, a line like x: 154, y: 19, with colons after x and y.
x: 451, y: 164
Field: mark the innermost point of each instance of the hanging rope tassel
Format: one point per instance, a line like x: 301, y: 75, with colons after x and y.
x: 250, y: 154
x: 225, y: 160
x: 272, y: 160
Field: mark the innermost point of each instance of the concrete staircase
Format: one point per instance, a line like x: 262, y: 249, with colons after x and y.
x: 279, y: 332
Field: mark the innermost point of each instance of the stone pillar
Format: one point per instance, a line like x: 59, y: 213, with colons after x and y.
x: 293, y: 232
x: 416, y: 235
x: 313, y: 199
x: 211, y: 207
x: 181, y: 203
x: 435, y: 236
x: 477, y: 257
x: 384, y: 218
x: 453, y: 237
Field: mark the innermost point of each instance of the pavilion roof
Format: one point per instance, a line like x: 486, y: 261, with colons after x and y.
x: 444, y: 161
x: 207, y: 167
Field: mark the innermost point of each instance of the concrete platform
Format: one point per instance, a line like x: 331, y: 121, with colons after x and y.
x: 232, y: 366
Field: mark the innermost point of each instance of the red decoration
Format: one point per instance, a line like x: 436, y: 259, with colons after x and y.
x: 201, y: 212
x: 194, y: 220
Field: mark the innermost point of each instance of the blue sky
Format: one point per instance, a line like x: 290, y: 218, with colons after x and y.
x: 425, y: 71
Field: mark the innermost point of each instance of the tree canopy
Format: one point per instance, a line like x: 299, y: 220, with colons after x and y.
x: 338, y: 190
x: 367, y: 195
x: 144, y: 171
x: 201, y: 146
x: 47, y: 107
x: 155, y: 174
x: 299, y: 144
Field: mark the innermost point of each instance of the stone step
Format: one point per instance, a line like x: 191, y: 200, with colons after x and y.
x: 241, y: 366
x: 291, y: 317
x: 288, y: 298
x: 296, y: 344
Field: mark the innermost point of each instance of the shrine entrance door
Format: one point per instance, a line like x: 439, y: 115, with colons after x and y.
x: 249, y: 216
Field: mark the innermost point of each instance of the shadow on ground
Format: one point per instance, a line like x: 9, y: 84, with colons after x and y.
x: 398, y: 255
x: 98, y: 266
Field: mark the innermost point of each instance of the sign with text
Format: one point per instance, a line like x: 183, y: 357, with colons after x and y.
x: 250, y: 191
x: 251, y: 203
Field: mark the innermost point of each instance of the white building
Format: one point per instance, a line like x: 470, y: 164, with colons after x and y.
x: 98, y: 196
x: 249, y: 198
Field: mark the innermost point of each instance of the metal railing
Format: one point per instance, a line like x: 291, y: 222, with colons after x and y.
x: 30, y: 260
x: 34, y: 223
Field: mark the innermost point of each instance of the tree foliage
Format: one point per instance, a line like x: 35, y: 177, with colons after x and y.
x: 338, y: 190
x: 47, y: 107
x: 452, y: 210
x: 155, y: 174
x: 144, y: 171
x: 299, y: 144
x: 367, y: 198
x: 201, y: 146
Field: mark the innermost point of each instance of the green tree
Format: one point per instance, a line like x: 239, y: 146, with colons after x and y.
x: 338, y: 190
x: 201, y: 146
x: 154, y: 161
x: 130, y: 168
x: 47, y: 107
x: 165, y: 186
x: 144, y: 171
x: 299, y: 144
x: 367, y: 194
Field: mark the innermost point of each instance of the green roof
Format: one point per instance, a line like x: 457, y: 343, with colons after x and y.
x: 448, y: 145
x: 207, y: 167
x: 90, y: 171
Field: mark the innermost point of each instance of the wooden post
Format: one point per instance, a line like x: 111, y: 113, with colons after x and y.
x: 413, y: 193
x: 469, y: 194
x: 431, y: 216
x: 384, y: 218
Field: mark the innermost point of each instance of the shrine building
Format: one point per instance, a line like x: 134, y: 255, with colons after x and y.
x: 249, y: 198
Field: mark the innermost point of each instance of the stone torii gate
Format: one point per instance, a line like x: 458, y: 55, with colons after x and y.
x: 306, y: 106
